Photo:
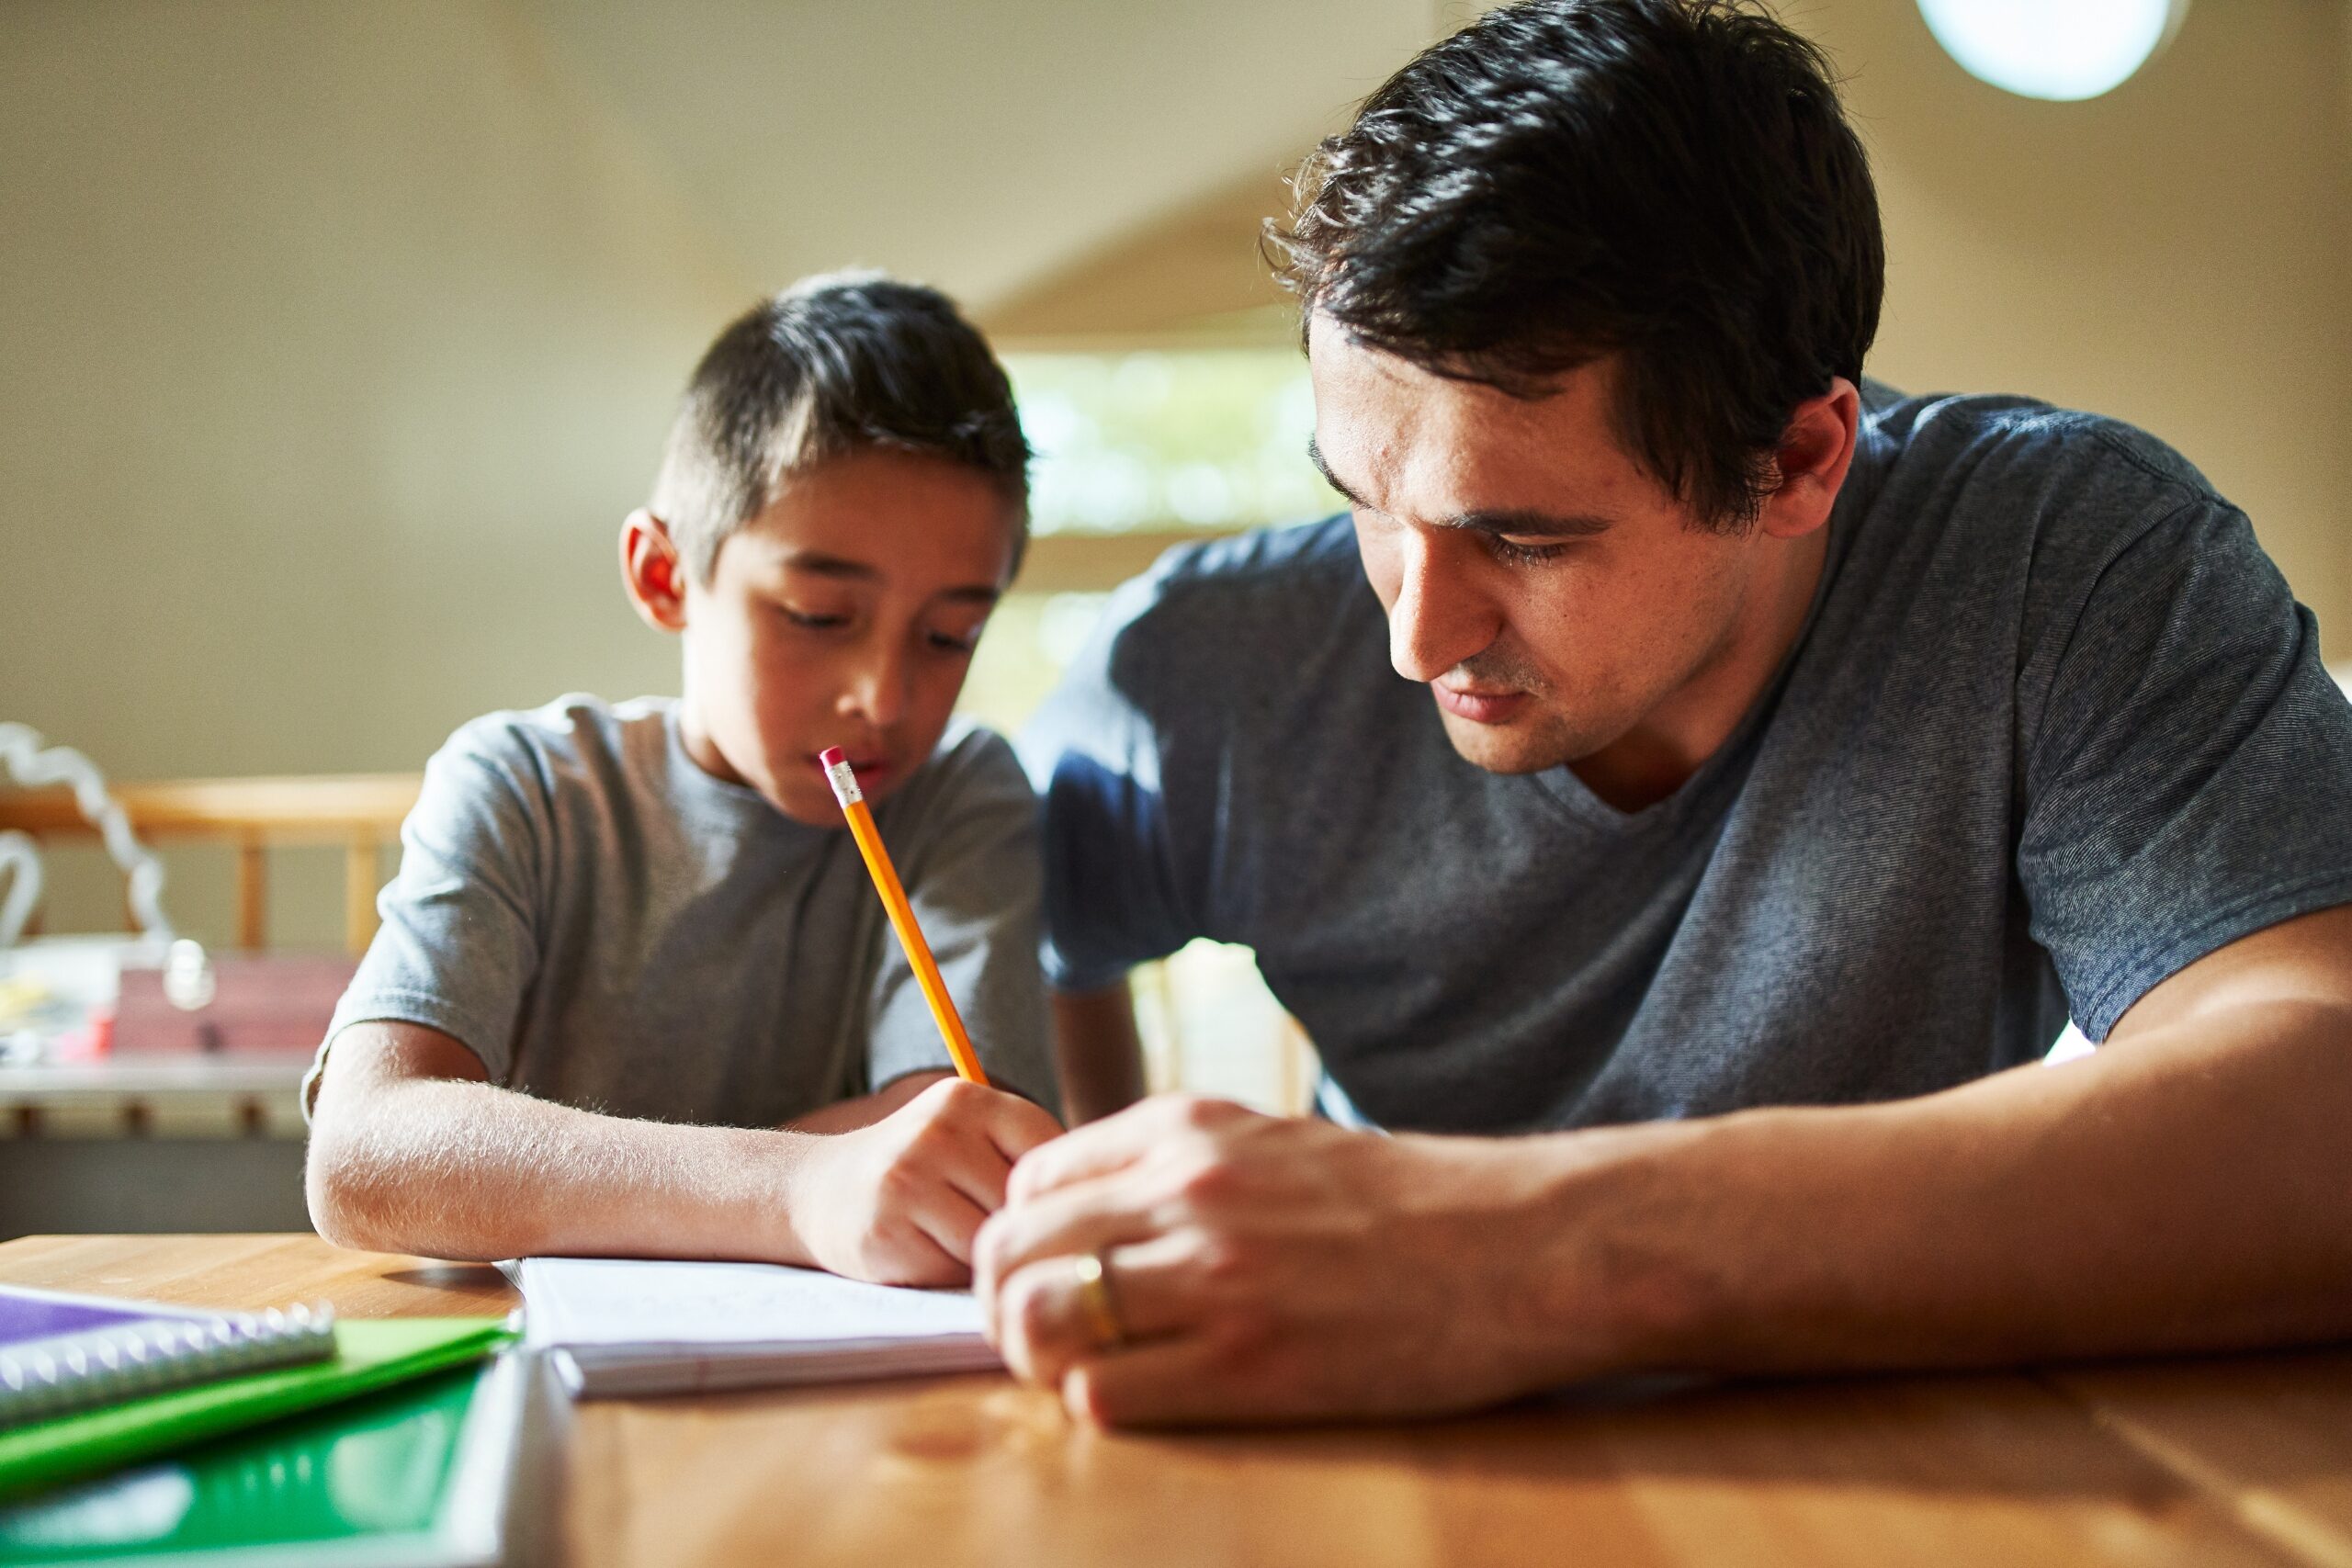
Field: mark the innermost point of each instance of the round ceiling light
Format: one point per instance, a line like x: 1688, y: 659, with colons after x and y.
x: 2052, y: 49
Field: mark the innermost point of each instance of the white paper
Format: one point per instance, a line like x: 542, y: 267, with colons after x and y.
x: 585, y: 1302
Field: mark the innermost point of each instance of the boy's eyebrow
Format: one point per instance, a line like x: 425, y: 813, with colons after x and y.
x: 1521, y: 522
x: 822, y: 565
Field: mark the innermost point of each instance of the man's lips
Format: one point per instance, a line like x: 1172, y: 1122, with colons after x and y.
x: 1478, y: 707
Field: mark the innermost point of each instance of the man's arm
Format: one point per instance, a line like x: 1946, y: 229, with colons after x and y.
x: 2180, y: 1189
x: 412, y: 1150
x: 1098, y: 1052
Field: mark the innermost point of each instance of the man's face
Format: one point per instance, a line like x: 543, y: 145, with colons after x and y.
x: 1552, y: 593
x: 844, y: 615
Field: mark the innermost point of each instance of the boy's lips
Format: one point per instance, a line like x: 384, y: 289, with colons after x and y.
x: 866, y: 768
x: 1478, y: 707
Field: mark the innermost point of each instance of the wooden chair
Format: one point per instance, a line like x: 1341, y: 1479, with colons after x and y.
x: 360, y: 811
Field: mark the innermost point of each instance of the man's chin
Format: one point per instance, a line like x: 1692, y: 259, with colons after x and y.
x: 1518, y: 747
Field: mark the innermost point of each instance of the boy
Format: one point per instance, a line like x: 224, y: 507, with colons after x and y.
x: 634, y: 993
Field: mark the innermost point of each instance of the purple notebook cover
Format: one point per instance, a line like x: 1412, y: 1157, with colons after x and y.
x: 25, y: 1316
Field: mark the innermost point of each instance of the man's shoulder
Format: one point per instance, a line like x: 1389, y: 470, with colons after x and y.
x: 2059, y: 471
x: 1269, y: 593
x: 1296, y: 557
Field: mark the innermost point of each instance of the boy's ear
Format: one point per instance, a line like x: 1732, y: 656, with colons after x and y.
x: 652, y: 571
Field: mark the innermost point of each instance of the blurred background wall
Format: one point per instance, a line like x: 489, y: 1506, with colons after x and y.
x: 338, y: 338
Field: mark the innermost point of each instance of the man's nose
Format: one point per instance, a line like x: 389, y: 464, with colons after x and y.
x: 1438, y: 618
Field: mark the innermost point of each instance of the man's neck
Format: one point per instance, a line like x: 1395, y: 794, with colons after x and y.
x: 1674, y: 740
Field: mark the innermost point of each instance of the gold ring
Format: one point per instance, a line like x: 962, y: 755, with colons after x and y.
x: 1094, y: 1296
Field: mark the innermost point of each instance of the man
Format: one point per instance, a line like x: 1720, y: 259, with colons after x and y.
x: 1778, y: 764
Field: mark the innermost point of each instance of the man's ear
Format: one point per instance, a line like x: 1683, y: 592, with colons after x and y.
x: 652, y: 573
x: 1815, y: 450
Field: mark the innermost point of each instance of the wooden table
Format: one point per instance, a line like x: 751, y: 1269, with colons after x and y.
x: 2225, y: 1461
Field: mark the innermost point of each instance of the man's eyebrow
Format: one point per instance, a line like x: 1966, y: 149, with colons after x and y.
x: 1315, y: 456
x: 1524, y: 523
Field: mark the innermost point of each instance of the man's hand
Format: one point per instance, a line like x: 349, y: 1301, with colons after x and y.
x: 899, y: 1200
x: 1265, y: 1269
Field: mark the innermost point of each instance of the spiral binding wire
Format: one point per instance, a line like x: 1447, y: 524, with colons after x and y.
x: 42, y: 1378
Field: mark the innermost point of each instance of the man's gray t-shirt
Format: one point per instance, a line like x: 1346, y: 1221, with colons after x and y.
x: 606, y: 925
x: 2055, y: 728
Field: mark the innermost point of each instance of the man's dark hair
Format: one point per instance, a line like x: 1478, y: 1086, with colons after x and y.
x: 1670, y: 180
x: 840, y: 362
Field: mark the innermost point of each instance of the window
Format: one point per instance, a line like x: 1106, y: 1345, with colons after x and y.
x: 1137, y: 452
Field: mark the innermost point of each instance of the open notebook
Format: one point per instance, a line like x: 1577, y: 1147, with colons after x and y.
x: 632, y: 1326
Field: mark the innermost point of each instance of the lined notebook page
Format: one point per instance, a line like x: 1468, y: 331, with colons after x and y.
x: 580, y: 1301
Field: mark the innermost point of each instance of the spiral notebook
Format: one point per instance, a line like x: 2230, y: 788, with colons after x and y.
x: 61, y: 1353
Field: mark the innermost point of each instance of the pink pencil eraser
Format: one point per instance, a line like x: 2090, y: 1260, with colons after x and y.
x: 833, y: 757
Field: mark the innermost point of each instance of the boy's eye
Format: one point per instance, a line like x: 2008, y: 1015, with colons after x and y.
x: 951, y: 640
x: 812, y: 619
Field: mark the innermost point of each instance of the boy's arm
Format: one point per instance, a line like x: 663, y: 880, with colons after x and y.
x: 412, y: 1150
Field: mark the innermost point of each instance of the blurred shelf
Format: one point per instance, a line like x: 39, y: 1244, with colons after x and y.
x: 155, y: 1097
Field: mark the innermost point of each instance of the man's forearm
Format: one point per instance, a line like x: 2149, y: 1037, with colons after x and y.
x: 460, y: 1169
x: 2182, y: 1190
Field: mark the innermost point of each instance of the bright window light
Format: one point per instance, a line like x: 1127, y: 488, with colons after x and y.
x: 2064, y: 50
x: 1206, y: 439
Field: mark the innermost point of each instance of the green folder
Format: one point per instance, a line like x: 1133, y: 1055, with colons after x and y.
x: 369, y: 1355
x: 412, y: 1475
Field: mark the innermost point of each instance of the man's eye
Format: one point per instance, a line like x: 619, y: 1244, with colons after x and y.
x: 812, y: 621
x: 1513, y: 553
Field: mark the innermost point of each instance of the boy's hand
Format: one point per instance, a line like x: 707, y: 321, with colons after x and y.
x: 899, y: 1201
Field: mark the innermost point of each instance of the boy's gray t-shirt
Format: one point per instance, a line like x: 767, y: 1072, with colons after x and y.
x: 606, y: 925
x: 2054, y: 729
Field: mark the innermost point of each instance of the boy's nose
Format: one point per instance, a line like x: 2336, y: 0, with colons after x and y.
x: 876, y: 692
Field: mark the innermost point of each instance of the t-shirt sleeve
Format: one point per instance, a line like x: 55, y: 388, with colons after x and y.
x: 458, y: 943
x: 1094, y: 756
x: 971, y: 875
x: 2189, y: 779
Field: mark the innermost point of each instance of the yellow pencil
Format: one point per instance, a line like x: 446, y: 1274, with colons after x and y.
x: 902, y: 914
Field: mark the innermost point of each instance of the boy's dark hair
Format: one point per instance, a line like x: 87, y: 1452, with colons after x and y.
x: 1671, y: 180
x: 840, y: 362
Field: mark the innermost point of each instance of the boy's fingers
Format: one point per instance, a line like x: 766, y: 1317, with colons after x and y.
x: 951, y: 1218
x: 931, y: 1266
x: 979, y: 1169
x: 1016, y: 1125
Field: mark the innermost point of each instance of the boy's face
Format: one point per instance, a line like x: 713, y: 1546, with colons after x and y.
x: 844, y: 615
